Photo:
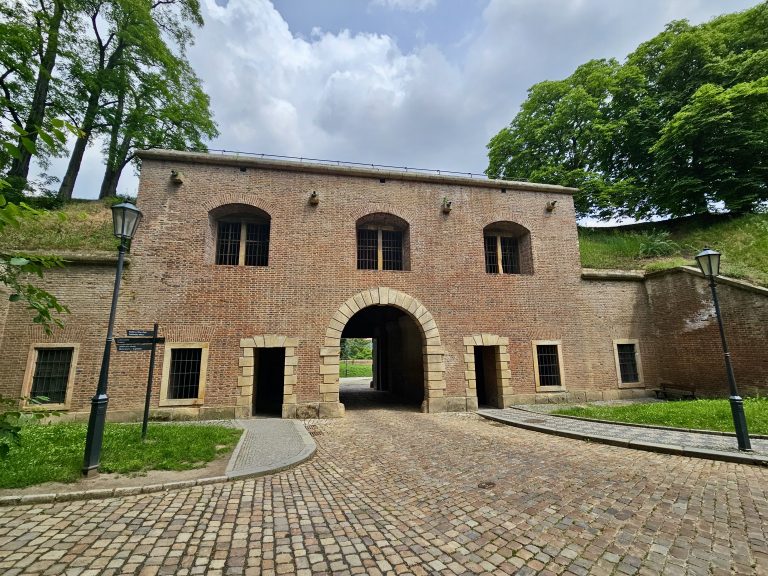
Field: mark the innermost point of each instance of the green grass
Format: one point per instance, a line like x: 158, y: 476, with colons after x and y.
x: 698, y: 414
x: 355, y: 370
x: 658, y: 246
x: 54, y: 452
x: 78, y: 226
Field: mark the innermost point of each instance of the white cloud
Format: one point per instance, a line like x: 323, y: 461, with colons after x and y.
x: 359, y: 96
x: 407, y: 5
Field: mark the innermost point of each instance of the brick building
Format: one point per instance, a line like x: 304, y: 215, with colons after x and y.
x: 472, y: 290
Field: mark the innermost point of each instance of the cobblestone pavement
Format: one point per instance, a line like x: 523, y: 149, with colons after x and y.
x: 269, y: 443
x: 393, y: 491
x: 656, y: 435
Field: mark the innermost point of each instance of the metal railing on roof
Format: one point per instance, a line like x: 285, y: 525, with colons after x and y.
x: 352, y: 164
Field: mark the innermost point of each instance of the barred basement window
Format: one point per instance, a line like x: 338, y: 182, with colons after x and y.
x: 628, y: 367
x: 184, y: 373
x: 548, y: 365
x: 243, y: 243
x: 507, y: 248
x: 382, y: 243
x: 52, y: 374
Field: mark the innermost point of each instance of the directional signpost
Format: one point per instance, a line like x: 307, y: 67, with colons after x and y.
x: 138, y: 341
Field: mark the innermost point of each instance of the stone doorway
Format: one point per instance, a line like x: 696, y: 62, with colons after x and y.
x: 268, y: 381
x: 487, y: 377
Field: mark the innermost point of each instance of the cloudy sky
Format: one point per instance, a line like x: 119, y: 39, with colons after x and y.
x: 418, y: 83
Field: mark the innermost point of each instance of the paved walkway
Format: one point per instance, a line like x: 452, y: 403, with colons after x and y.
x: 269, y: 445
x: 696, y: 444
x: 400, y: 492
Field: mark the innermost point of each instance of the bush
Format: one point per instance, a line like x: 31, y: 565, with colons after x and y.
x: 657, y: 243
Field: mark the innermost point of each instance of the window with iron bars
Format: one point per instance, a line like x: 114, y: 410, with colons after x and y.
x: 52, y: 370
x: 379, y: 249
x: 548, y: 365
x: 627, y: 363
x: 243, y: 243
x: 184, y: 378
x: 502, y: 254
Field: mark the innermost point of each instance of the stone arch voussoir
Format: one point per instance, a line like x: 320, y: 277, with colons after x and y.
x: 434, y: 352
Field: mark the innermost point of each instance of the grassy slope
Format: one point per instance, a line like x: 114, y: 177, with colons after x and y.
x: 742, y: 240
x: 87, y: 227
x: 81, y: 226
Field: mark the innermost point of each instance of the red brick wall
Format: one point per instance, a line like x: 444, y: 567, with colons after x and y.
x: 688, y: 340
x: 312, y: 271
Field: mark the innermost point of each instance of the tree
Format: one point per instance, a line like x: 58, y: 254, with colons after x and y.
x: 33, y: 34
x: 676, y: 129
x: 127, y: 34
x: 157, y: 109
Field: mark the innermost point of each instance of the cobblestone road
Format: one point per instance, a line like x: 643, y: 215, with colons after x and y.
x: 397, y: 492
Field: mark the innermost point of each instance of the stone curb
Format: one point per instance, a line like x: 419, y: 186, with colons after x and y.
x: 630, y: 424
x: 735, y: 457
x: 309, y: 450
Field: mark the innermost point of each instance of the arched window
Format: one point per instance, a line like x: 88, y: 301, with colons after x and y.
x: 382, y: 243
x: 242, y: 235
x: 507, y: 249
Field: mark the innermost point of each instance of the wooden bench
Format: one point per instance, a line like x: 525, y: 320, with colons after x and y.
x: 669, y: 391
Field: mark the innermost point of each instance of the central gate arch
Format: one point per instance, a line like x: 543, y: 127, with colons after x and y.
x: 432, y: 347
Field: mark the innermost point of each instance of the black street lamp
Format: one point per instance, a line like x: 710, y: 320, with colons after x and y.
x: 709, y: 262
x: 125, y: 218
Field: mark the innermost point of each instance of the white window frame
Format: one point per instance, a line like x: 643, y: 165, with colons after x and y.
x: 640, y: 380
x: 164, y: 383
x: 559, y: 344
x: 29, y: 375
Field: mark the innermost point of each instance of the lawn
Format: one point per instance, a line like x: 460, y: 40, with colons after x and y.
x: 354, y: 370
x: 54, y: 452
x: 698, y: 414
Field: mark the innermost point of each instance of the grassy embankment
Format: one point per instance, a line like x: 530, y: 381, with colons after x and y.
x: 742, y: 240
x: 695, y: 414
x: 54, y: 452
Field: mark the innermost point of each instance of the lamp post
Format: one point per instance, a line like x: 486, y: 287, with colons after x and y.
x: 125, y: 218
x: 709, y: 262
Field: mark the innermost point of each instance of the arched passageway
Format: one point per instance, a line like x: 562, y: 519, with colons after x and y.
x: 398, y: 359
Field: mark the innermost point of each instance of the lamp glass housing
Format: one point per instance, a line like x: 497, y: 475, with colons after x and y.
x: 126, y: 218
x: 709, y: 262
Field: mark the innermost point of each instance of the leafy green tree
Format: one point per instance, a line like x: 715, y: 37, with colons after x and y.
x: 676, y: 129
x: 157, y: 109
x: 126, y: 35
x: 32, y: 36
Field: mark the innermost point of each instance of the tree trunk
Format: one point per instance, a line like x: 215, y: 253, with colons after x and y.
x: 20, y: 166
x: 89, y: 120
x: 76, y: 159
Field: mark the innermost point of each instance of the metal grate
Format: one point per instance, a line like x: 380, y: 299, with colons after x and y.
x: 392, y: 249
x: 256, y: 244
x: 228, y: 245
x: 628, y: 363
x: 510, y: 259
x: 367, y: 249
x: 491, y: 255
x: 184, y: 378
x: 549, y: 365
x: 52, y: 374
